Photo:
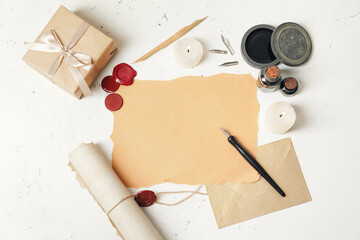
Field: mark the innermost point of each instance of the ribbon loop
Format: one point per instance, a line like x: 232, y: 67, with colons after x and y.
x: 50, y: 42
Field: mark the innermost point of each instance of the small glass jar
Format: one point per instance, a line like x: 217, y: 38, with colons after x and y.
x: 289, y: 86
x: 268, y: 79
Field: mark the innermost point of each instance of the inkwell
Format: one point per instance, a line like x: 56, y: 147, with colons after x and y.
x: 264, y: 47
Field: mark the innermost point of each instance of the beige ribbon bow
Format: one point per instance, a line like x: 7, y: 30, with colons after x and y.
x: 50, y: 42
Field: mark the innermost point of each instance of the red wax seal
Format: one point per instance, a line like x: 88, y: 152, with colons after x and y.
x: 145, y: 198
x: 124, y: 74
x: 113, y: 102
x: 109, y: 84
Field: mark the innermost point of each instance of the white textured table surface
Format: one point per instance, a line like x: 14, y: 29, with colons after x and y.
x: 40, y: 124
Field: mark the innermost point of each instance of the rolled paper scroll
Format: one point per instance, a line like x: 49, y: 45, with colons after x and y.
x: 96, y: 174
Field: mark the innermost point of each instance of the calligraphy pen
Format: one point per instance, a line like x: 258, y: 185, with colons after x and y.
x: 253, y: 162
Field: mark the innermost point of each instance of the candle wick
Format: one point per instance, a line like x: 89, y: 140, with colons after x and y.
x: 188, y: 50
x: 282, y: 114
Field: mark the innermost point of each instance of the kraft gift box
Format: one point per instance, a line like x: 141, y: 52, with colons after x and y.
x: 93, y: 43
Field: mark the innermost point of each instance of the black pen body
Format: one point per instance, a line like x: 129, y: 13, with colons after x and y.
x: 255, y: 164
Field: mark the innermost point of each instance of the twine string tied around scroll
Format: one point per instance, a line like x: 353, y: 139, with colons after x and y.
x: 192, y: 193
x: 50, y: 42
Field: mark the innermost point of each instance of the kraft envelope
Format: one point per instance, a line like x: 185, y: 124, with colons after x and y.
x: 236, y: 202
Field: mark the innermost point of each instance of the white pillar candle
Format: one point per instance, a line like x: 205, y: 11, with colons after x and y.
x: 188, y: 52
x: 280, y: 117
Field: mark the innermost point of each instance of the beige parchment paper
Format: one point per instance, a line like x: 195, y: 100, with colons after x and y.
x: 236, y: 202
x: 95, y: 173
x: 168, y: 131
